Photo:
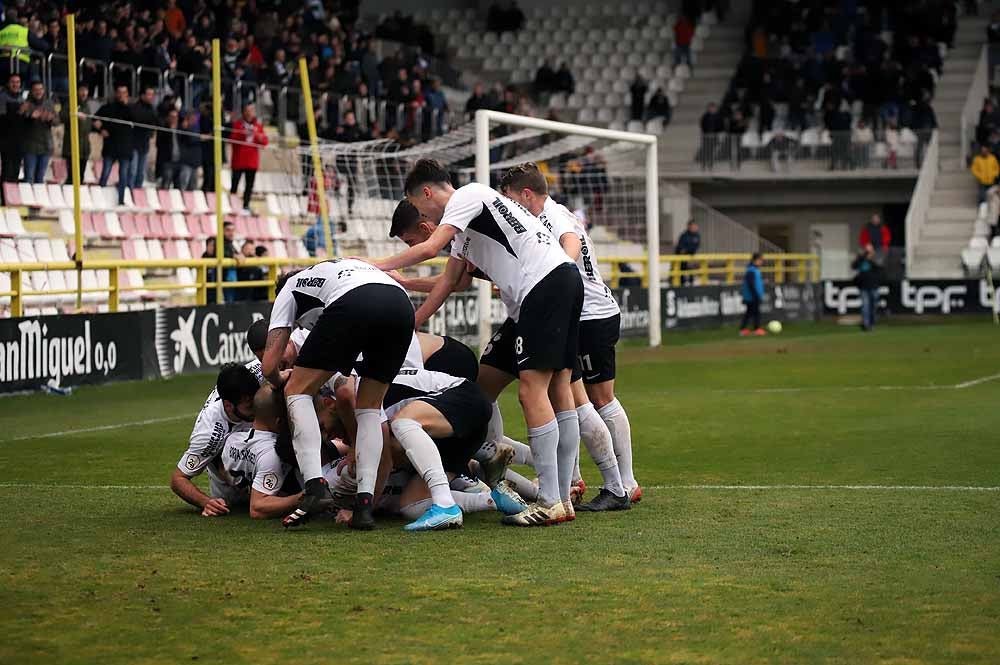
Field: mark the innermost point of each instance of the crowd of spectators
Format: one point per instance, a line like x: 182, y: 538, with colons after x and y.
x: 820, y: 59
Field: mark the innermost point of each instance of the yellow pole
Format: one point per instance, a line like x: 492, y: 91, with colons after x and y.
x: 217, y: 140
x: 324, y: 217
x: 74, y: 159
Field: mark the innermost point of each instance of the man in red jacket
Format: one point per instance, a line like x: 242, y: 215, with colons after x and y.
x: 876, y: 234
x: 247, y: 134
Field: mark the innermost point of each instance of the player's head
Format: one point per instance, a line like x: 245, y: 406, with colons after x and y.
x: 525, y: 184
x: 257, y: 338
x: 409, y: 226
x: 237, y: 386
x: 428, y: 187
x: 269, y: 410
x: 283, y: 279
x: 757, y: 259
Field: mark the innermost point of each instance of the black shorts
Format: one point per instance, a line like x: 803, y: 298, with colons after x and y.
x: 596, y: 359
x: 549, y: 322
x: 374, y: 319
x: 499, y: 352
x: 454, y: 359
x: 468, y: 411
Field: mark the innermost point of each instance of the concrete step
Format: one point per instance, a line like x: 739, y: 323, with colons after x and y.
x: 962, y: 180
x: 952, y: 213
x: 948, y: 198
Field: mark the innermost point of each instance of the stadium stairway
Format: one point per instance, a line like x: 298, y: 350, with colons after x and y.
x: 712, y: 72
x: 953, y: 209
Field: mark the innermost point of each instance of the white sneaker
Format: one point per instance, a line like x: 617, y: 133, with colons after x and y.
x: 537, y: 515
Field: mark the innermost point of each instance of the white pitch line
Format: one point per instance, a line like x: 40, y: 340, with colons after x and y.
x: 98, y: 428
x: 44, y: 486
x: 976, y: 382
x: 896, y: 488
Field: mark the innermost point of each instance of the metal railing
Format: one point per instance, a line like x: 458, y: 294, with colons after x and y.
x: 705, y: 269
x: 819, y: 150
x: 920, y: 202
x: 979, y: 90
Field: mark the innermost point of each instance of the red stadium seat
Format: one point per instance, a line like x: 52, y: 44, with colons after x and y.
x: 142, y: 225
x: 155, y: 227
x: 139, y: 198
x: 102, y: 226
x: 127, y: 221
x: 12, y: 194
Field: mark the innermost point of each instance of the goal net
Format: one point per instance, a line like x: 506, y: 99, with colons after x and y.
x: 607, y: 178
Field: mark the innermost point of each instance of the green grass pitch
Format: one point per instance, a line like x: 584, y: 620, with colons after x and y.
x: 99, y: 563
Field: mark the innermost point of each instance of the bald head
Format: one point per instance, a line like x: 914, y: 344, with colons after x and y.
x: 269, y: 409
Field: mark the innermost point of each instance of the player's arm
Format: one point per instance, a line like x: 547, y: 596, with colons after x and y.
x: 571, y: 244
x: 274, y: 350
x: 420, y: 252
x: 426, y: 284
x: 265, y: 506
x: 449, y: 280
x: 182, y: 486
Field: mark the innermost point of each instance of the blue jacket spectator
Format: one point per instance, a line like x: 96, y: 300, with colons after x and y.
x: 753, y: 295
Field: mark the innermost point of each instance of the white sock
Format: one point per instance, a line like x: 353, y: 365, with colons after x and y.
x: 524, y: 487
x: 494, y: 434
x: 597, y: 439
x: 544, y: 442
x: 368, y: 448
x: 522, y: 451
x: 577, y: 476
x: 412, y: 511
x: 306, y: 437
x: 616, y: 419
x: 425, y: 458
x: 474, y: 503
x: 567, y: 450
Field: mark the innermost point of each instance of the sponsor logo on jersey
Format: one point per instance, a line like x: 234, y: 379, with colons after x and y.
x: 191, y: 462
x: 508, y: 216
x: 270, y: 481
x: 310, y: 282
x: 588, y: 259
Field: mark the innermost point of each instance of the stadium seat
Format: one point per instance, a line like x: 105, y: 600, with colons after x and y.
x: 152, y: 196
x: 41, y: 194
x: 127, y: 222
x: 114, y: 226
x: 175, y: 201
x: 12, y: 194
x: 56, y: 198
x: 180, y: 226
x: 27, y: 195
x: 993, y: 258
x: 682, y: 71
x: 13, y: 226
x: 972, y: 258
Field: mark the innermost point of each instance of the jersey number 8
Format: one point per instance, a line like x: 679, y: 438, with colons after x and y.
x: 519, y: 345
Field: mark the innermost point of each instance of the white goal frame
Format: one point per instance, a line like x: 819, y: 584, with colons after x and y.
x: 483, y: 120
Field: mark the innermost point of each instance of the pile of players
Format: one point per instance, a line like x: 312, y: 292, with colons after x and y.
x: 347, y: 411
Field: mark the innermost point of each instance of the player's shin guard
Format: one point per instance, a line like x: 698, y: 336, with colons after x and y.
x: 368, y: 452
x: 306, y: 437
x: 568, y: 447
x: 426, y: 459
x: 597, y: 438
x: 473, y: 503
x: 616, y: 419
x: 544, y: 442
x: 524, y: 487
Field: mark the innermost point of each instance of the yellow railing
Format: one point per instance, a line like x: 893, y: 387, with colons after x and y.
x: 706, y: 268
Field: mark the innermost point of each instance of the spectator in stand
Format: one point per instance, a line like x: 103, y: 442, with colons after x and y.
x: 437, y: 103
x: 712, y: 127
x: 280, y: 74
x: 863, y: 138
x: 564, y: 80
x: 209, y: 253
x: 84, y: 125
x: 168, y: 151
x: 145, y: 117
x: 985, y: 169
x: 247, y: 134
x: 477, y: 100
x: 659, y: 107
x: 119, y: 143
x: 38, y: 117
x: 839, y: 126
x: 173, y: 19
x: 683, y: 36
x: 247, y: 273
x: 191, y: 152
x: 868, y: 278
x: 207, y: 150
x: 11, y: 99
x: 229, y: 252
x: 688, y: 243
x: 545, y: 79
x: 752, y: 291
x: 989, y: 121
x: 737, y: 126
x: 347, y: 164
x: 638, y: 91
x: 876, y: 235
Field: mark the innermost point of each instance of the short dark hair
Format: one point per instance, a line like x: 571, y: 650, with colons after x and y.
x: 35, y: 82
x: 260, y: 250
x: 236, y: 383
x: 283, y: 279
x: 524, y: 176
x: 225, y: 224
x: 424, y: 172
x: 404, y: 217
x: 755, y: 256
x: 257, y: 335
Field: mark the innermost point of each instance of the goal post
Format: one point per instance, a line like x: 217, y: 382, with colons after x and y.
x: 484, y: 119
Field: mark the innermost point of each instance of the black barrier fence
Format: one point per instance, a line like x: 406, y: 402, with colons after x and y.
x: 72, y: 350
x: 923, y: 296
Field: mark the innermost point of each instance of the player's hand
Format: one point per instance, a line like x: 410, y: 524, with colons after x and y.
x: 344, y: 516
x: 215, y: 507
x: 396, y: 275
x: 283, y: 377
x: 348, y: 461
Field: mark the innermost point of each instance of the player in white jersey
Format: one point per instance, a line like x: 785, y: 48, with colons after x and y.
x: 593, y: 376
x: 251, y: 460
x: 543, y: 293
x: 229, y: 408
x: 350, y: 307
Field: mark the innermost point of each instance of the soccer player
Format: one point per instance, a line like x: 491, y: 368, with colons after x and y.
x: 251, y: 459
x: 229, y: 408
x: 600, y: 325
x: 543, y: 293
x: 350, y: 307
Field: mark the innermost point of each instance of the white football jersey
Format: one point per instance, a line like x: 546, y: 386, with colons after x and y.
x: 308, y: 293
x: 503, y: 240
x: 598, y: 302
x: 250, y: 460
x: 411, y: 384
x: 211, y: 429
x: 342, y: 482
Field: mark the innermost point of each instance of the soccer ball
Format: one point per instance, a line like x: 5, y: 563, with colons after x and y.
x: 774, y: 327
